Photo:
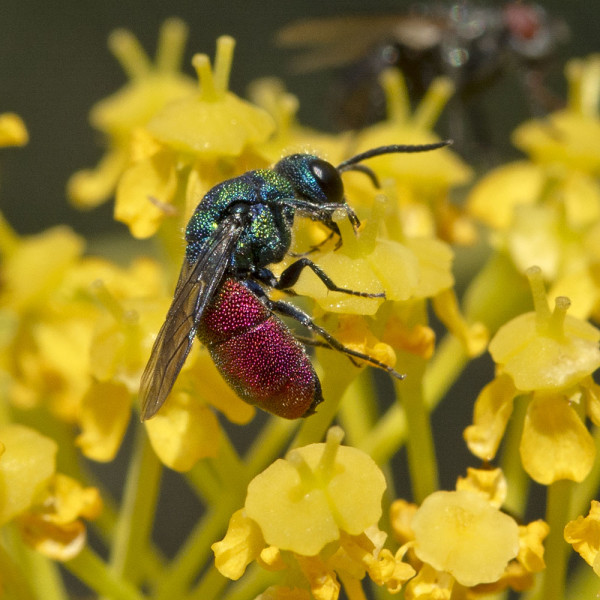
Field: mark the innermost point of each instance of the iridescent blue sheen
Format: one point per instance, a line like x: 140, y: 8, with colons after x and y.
x: 268, y: 235
x: 301, y: 169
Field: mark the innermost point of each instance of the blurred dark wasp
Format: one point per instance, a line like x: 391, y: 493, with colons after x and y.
x: 472, y: 45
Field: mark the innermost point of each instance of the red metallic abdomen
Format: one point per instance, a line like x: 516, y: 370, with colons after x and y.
x: 257, y: 354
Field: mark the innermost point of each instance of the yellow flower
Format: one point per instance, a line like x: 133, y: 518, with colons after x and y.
x: 546, y: 351
x: 416, y: 269
x: 401, y: 516
x: 47, y: 352
x: 290, y: 137
x: 441, y: 168
x: 213, y: 122
x: 430, y: 584
x: 546, y: 210
x: 118, y: 116
x: 77, y: 332
x: 555, y: 443
x: 490, y: 483
x: 492, y: 411
x: 570, y: 137
x: 54, y: 526
x: 419, y: 182
x: 549, y: 356
x: 26, y: 465
x: 463, y: 534
x: 241, y: 545
x: 584, y: 535
x: 312, y: 518
x: 46, y: 506
x: 302, y: 503
x: 547, y: 218
x: 184, y: 431
x: 189, y: 146
x: 531, y: 550
x: 462, y: 539
x: 12, y: 130
x: 103, y: 419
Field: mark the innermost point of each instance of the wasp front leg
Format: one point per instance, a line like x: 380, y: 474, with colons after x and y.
x: 289, y: 277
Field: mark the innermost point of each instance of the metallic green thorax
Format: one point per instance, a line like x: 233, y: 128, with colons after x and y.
x: 257, y: 196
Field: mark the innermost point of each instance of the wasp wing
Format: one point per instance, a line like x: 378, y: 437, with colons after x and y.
x: 342, y: 40
x: 197, y: 284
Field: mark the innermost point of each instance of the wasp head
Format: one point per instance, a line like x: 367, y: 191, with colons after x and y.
x: 313, y: 178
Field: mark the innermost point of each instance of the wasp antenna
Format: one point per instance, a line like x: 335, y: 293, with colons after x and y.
x: 363, y: 169
x: 392, y: 149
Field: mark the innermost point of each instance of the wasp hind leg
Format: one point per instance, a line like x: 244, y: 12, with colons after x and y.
x: 288, y: 310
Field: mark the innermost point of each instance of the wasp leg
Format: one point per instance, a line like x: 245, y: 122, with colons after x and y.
x: 290, y: 276
x: 288, y: 310
x: 308, y: 341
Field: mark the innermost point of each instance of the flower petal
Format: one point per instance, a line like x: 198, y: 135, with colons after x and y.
x: 555, y: 443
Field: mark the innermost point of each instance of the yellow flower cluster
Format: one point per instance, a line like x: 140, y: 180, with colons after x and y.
x: 314, y: 516
x: 76, y: 332
x: 547, y: 357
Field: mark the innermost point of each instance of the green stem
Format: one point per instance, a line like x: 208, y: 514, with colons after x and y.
x: 30, y: 573
x: 46, y: 583
x: 89, y: 568
x: 519, y: 482
x: 422, y: 463
x: 588, y: 488
x: 197, y: 549
x: 386, y: 436
x: 583, y: 584
x: 357, y: 412
x: 228, y: 466
x: 15, y: 583
x: 136, y: 517
x: 557, y: 550
x: 389, y: 433
x: 211, y: 586
x: 205, y: 482
x: 255, y: 581
x: 443, y: 370
x: 314, y: 428
x: 269, y: 444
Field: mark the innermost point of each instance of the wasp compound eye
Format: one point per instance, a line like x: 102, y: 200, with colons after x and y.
x: 328, y: 179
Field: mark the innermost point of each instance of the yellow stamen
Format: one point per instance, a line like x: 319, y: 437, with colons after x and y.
x: 396, y: 95
x: 584, y: 86
x: 201, y: 63
x: 557, y: 320
x: 171, y: 42
x: 335, y: 435
x: 428, y: 111
x: 538, y: 291
x: 223, y: 60
x: 129, y: 52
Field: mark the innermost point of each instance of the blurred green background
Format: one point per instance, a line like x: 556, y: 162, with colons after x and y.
x: 54, y: 64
